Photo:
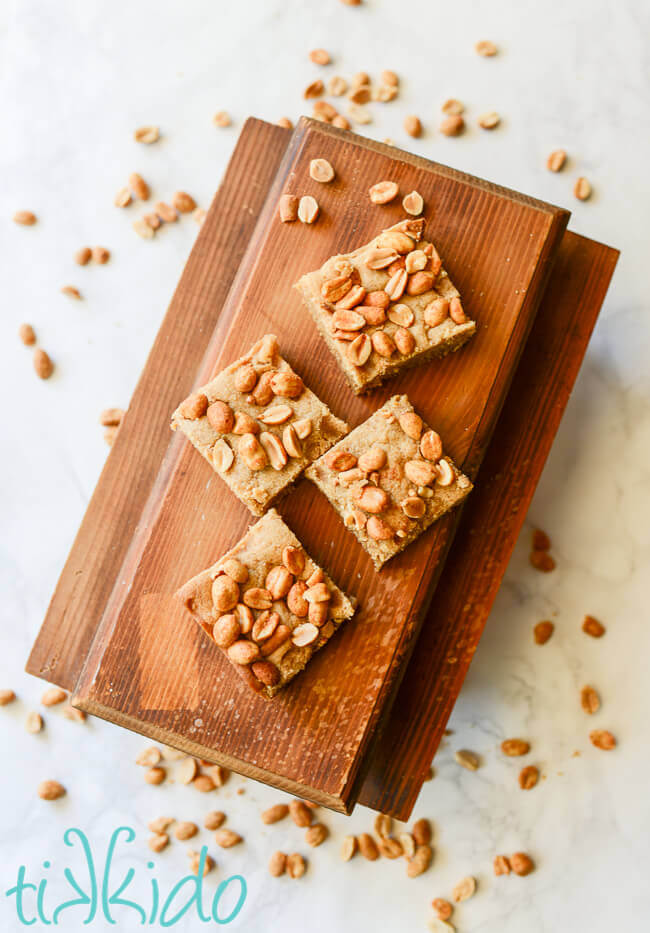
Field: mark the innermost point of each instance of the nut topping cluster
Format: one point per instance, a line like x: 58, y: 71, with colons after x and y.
x: 386, y: 478
x: 371, y: 501
x: 256, y: 626
x: 357, y: 314
x: 270, y: 437
x: 267, y: 605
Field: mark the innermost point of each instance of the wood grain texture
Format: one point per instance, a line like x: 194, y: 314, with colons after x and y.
x: 147, y: 667
x: 489, y: 526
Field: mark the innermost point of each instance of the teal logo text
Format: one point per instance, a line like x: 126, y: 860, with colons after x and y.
x: 99, y: 893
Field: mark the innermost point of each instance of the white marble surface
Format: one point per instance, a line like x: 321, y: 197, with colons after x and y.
x: 76, y: 79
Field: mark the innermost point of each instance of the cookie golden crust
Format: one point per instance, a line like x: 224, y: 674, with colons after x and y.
x: 386, y: 306
x: 389, y: 479
x: 258, y: 425
x: 267, y: 605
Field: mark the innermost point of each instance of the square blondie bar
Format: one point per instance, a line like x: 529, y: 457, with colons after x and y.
x: 258, y: 425
x: 267, y: 605
x: 388, y: 479
x: 386, y: 306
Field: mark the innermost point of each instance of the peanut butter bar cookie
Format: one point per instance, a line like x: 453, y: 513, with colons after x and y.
x: 389, y: 480
x: 258, y: 425
x: 267, y: 605
x: 386, y: 306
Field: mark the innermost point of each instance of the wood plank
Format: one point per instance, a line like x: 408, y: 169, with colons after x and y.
x: 312, y: 738
x: 490, y: 525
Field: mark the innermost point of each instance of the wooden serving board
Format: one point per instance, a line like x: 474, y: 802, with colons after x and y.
x: 489, y: 526
x: 160, y: 514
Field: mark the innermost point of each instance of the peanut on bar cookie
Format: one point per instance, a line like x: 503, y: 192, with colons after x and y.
x: 386, y: 306
x: 267, y: 605
x: 258, y: 425
x: 389, y: 480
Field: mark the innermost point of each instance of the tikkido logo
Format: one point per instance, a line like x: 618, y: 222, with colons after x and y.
x: 100, y: 895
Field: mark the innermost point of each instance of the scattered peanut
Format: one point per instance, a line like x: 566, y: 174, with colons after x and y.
x: 543, y: 631
x: 593, y: 627
x: 413, y: 203
x: 83, y: 256
x: 489, y: 121
x: 413, y: 126
x: 203, y: 783
x: 443, y: 909
x: 147, y: 134
x: 139, y: 187
x: 521, y: 863
x: 589, y: 700
x: 464, y: 889
x: 27, y: 334
x: 320, y: 56
x: 183, y: 202
x: 53, y: 695
x: 158, y: 842
x: 421, y: 832
x: 321, y: 170
x: 556, y: 160
x: 316, y: 835
x: 467, y: 759
x: 149, y: 757
x: 349, y: 848
x: 288, y: 208
x: 51, y: 790
x: 542, y: 561
x: 122, y: 198
x: 582, y: 189
x: 155, y: 775
x: 24, y: 218
x: 300, y: 813
x: 160, y: 824
x: 513, y: 748
x: 602, y: 739
x: 275, y: 813
x: 453, y: 125
x: 214, y: 819
x: 226, y: 838
x: 43, y: 365
x: 368, y: 847
x: 185, y: 830
x: 383, y: 192
x: 100, y: 254
x: 528, y: 777
x: 308, y: 209
x: 33, y: 723
x: 296, y: 865
x: 277, y: 864
x: 420, y: 861
x: 486, y: 48
x: 111, y: 417
x: 315, y: 89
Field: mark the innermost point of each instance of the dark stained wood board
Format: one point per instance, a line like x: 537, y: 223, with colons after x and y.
x: 489, y: 526
x: 312, y: 738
